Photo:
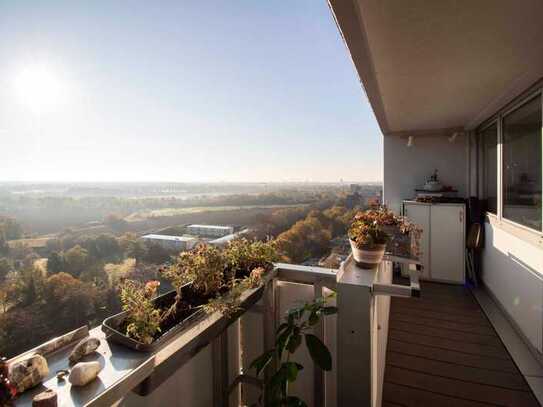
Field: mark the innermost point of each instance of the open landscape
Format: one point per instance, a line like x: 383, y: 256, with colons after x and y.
x: 66, y: 247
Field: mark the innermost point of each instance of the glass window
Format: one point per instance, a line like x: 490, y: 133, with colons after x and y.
x: 489, y: 140
x: 522, y: 165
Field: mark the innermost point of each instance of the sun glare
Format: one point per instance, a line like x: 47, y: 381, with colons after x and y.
x: 39, y: 89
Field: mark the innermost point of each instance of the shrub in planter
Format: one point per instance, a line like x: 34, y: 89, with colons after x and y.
x: 205, y: 278
x: 375, y: 230
x: 143, y: 320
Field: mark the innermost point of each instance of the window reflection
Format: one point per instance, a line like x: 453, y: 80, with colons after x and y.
x: 522, y: 165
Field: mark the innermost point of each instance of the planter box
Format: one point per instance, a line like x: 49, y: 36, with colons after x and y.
x: 112, y: 325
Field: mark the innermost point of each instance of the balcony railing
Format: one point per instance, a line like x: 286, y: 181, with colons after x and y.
x: 356, y: 336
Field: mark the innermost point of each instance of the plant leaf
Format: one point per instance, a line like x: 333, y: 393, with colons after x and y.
x: 329, y: 310
x: 279, y: 378
x: 292, y: 371
x: 294, y: 341
x: 262, y: 361
x: 313, y: 318
x: 281, y: 327
x: 319, y: 352
x: 282, y: 341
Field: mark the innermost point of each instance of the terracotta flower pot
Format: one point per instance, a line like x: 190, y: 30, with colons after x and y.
x: 368, y: 257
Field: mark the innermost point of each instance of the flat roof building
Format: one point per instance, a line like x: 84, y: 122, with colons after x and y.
x: 210, y: 230
x: 173, y: 242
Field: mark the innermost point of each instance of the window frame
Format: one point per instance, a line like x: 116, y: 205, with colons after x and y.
x: 497, y: 118
x: 482, y: 193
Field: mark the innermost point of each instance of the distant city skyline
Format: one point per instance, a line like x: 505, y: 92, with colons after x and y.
x: 181, y: 92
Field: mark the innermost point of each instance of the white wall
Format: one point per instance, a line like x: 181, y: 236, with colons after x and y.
x: 513, y: 272
x: 192, y: 385
x: 406, y: 168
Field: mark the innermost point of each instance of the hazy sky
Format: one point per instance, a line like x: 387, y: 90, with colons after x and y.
x: 180, y: 91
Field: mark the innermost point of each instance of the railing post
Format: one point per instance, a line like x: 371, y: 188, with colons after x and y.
x: 219, y: 355
x: 270, y: 304
x: 354, y: 359
x: 319, y: 385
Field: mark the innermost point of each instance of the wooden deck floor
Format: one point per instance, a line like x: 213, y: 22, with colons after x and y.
x: 443, y: 351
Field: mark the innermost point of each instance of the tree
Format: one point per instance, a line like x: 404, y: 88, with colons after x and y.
x: 116, y: 222
x: 28, y: 285
x: 21, y: 329
x: 5, y: 268
x: 103, y: 248
x: 68, y: 300
x: 4, y: 247
x: 53, y: 245
x: 118, y: 272
x: 11, y: 228
x: 133, y: 247
x: 156, y: 254
x: 55, y: 263
x: 75, y: 260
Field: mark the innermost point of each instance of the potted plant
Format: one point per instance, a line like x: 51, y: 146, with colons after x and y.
x: 205, y: 280
x: 296, y: 329
x: 376, y: 230
x: 368, y: 239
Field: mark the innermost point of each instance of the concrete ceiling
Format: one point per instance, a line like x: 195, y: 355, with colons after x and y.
x: 436, y: 66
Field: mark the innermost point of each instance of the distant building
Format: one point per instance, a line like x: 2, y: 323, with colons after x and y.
x: 172, y: 242
x: 356, y: 188
x: 353, y: 200
x: 224, y: 240
x: 210, y: 230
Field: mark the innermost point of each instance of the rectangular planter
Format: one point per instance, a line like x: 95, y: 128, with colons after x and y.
x: 111, y: 325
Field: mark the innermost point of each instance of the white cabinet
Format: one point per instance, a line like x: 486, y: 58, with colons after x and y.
x: 443, y: 239
x: 420, y: 215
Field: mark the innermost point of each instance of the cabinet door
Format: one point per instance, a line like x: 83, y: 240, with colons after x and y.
x: 447, y: 243
x: 419, y: 214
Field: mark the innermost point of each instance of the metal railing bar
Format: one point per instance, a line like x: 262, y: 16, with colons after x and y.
x: 306, y: 274
x: 319, y: 387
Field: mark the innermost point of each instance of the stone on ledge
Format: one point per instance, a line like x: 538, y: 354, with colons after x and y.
x: 28, y: 372
x: 84, y: 373
x: 83, y: 348
x: 48, y: 398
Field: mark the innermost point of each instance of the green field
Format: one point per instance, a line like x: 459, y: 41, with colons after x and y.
x: 167, y: 212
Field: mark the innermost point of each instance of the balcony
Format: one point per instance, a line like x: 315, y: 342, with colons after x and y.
x: 393, y: 343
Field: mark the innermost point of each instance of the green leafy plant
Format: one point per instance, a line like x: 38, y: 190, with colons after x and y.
x: 366, y: 229
x: 247, y: 262
x: 376, y: 226
x: 203, y: 267
x: 243, y: 256
x: 296, y: 328
x: 230, y: 302
x: 218, y: 278
x: 143, y: 320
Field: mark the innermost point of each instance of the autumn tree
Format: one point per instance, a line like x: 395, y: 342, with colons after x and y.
x: 10, y: 228
x: 28, y: 283
x: 68, y: 300
x: 4, y: 247
x: 116, y: 222
x: 55, y: 263
x: 75, y: 260
x: 156, y: 254
x: 5, y: 268
x: 103, y: 248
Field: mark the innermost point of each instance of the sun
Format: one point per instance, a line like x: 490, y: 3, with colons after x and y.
x: 39, y: 88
